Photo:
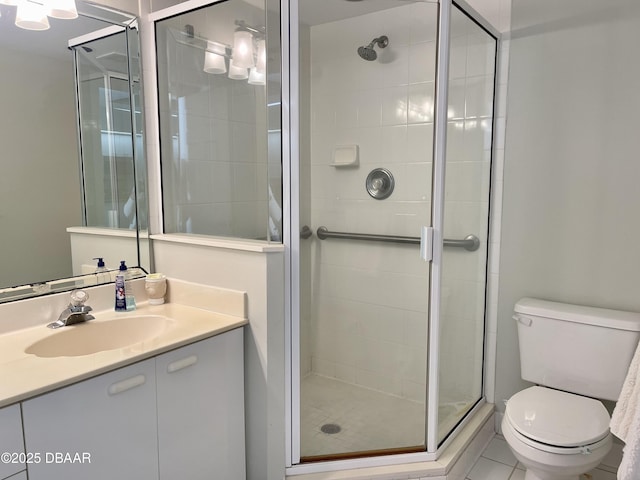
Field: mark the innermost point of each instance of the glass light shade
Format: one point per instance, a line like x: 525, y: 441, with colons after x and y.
x: 9, y: 2
x: 243, y: 49
x: 65, y: 9
x: 256, y: 78
x: 261, y: 61
x: 31, y: 16
x: 214, y: 63
x: 236, y: 72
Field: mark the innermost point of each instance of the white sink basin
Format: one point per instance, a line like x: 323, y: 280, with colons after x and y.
x: 99, y: 335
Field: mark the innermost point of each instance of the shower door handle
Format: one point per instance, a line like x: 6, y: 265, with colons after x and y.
x: 426, y: 244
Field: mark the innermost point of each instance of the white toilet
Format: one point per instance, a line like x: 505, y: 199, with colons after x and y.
x: 572, y: 353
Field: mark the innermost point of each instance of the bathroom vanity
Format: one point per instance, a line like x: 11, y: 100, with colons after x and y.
x: 171, y: 406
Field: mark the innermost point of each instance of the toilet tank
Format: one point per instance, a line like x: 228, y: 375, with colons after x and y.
x: 578, y: 349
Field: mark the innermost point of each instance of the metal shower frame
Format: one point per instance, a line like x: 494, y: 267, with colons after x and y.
x: 292, y: 228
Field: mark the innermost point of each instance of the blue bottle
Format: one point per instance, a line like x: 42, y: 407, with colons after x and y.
x: 121, y: 293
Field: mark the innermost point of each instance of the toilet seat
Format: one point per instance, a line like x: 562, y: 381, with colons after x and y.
x: 543, y: 447
x: 556, y: 421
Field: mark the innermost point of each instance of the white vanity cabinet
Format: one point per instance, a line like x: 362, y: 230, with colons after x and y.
x: 201, y: 410
x: 19, y: 476
x: 179, y: 415
x: 103, y: 428
x: 11, y: 441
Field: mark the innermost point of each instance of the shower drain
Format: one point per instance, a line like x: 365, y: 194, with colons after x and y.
x: 330, y: 428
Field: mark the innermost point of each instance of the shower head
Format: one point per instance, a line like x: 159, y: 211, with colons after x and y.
x: 368, y: 53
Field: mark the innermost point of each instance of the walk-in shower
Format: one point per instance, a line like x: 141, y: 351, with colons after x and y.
x: 388, y: 348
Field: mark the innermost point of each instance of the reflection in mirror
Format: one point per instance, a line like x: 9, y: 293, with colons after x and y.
x: 47, y: 231
x: 108, y: 140
x: 219, y: 101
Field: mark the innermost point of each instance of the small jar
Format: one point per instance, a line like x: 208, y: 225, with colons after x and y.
x: 156, y: 287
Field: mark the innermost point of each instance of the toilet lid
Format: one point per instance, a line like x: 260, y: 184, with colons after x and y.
x: 557, y: 418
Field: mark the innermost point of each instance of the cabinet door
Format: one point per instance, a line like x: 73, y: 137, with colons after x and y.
x: 201, y: 410
x: 19, y: 476
x: 108, y: 421
x: 11, y: 441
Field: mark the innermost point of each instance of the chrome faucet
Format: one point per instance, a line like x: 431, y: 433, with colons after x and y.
x: 76, y: 312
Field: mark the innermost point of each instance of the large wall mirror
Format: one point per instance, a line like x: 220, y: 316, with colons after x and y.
x: 220, y: 120
x: 73, y: 183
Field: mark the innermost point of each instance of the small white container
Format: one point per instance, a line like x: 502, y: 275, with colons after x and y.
x: 156, y: 287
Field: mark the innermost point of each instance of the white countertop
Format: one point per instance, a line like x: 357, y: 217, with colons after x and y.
x: 23, y: 375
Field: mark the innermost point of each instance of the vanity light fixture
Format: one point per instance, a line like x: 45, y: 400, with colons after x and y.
x: 243, y: 49
x: 31, y: 16
x: 64, y: 9
x: 236, y: 72
x: 214, y: 61
x: 261, y: 57
x: 256, y: 78
x: 247, y: 59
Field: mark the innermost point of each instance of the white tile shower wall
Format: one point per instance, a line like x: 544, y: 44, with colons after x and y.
x: 219, y: 149
x: 225, y: 187
x: 369, y: 323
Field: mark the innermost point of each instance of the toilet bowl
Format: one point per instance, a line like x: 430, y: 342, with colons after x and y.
x: 574, y: 354
x: 556, y: 435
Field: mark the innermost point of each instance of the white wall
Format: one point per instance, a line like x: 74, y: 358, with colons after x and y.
x: 570, y: 223
x: 112, y: 245
x: 39, y: 150
x: 261, y: 275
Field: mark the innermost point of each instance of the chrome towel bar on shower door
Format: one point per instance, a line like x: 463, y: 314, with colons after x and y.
x: 470, y: 243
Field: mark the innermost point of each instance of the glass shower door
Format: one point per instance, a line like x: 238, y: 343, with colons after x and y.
x: 367, y: 78
x: 472, y: 62
x: 106, y: 132
x: 366, y: 92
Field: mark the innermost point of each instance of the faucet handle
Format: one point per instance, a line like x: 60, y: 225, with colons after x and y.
x: 78, y: 298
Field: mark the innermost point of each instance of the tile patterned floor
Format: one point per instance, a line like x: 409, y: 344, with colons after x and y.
x: 369, y: 420
x: 498, y: 463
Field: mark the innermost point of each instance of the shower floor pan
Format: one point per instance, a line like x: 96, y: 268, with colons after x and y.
x: 339, y: 417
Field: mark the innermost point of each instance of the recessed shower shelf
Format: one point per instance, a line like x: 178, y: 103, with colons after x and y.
x: 346, y: 156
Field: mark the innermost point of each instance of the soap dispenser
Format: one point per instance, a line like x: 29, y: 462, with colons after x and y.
x: 130, y: 300
x: 102, y: 274
x: 121, y: 296
x: 125, y: 301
